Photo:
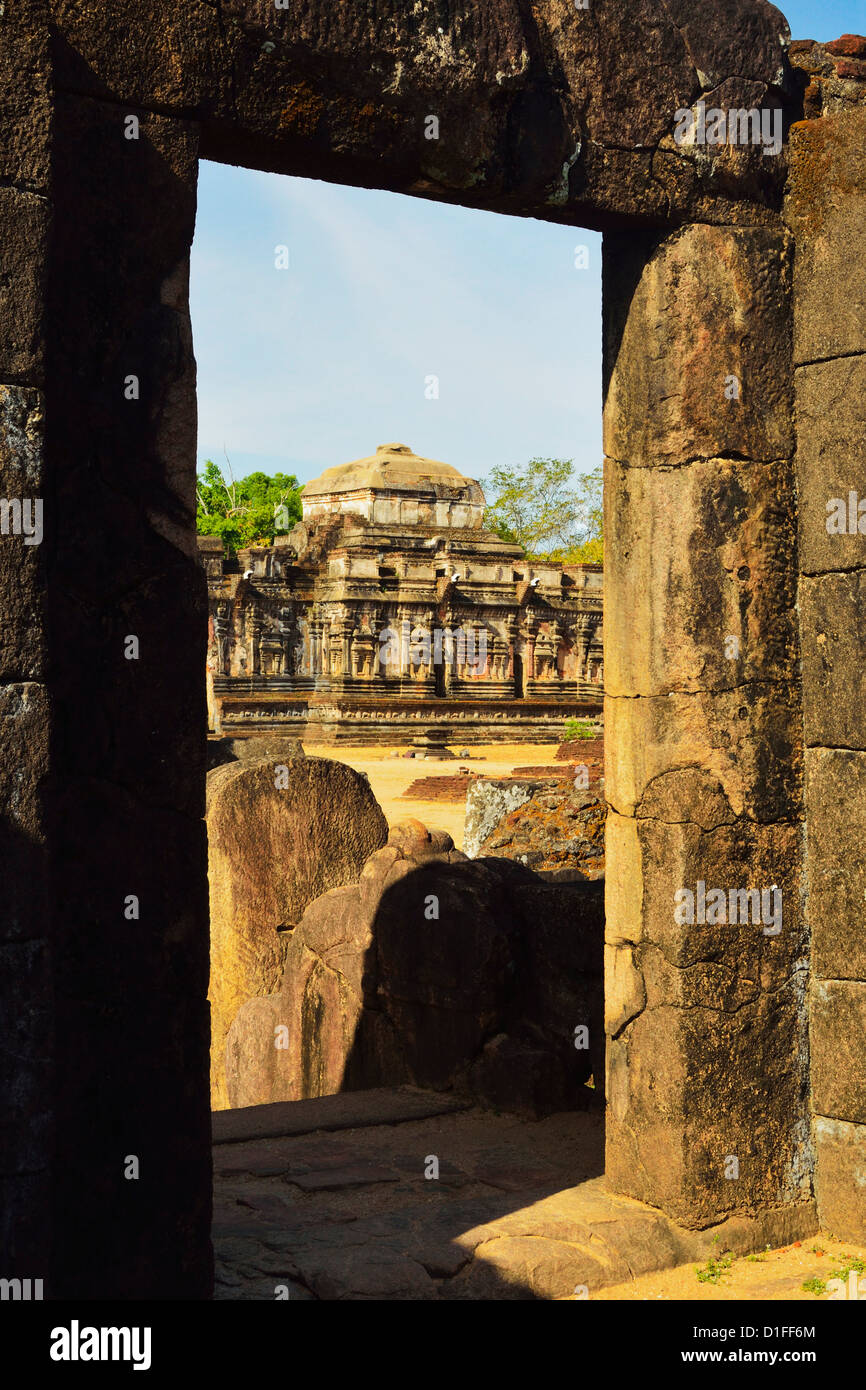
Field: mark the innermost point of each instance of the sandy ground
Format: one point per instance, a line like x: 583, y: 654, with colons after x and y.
x: 773, y: 1275
x: 390, y: 776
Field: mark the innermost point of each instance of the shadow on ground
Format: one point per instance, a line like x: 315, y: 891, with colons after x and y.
x: 351, y: 1207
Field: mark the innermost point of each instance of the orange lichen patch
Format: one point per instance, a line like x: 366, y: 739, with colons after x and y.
x: 818, y: 178
x: 553, y: 831
x: 303, y: 110
x: 848, y: 46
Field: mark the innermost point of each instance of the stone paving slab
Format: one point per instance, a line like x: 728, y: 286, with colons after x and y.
x: 519, y: 1211
x: 386, y: 1105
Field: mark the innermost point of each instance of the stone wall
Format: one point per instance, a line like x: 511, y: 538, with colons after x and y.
x: 28, y: 1120
x: 703, y: 736
x: 827, y: 213
x: 329, y: 718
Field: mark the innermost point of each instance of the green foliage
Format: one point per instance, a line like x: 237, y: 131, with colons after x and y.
x: 815, y: 1286
x: 244, y: 513
x: 714, y: 1269
x: 819, y: 1286
x: 547, y: 510
x: 577, y: 728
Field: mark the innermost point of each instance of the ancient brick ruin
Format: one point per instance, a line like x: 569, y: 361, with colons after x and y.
x: 734, y: 382
x: 390, y: 605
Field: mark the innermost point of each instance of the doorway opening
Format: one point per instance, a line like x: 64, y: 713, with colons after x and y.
x: 400, y: 604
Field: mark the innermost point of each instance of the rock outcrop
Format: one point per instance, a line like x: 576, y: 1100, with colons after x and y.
x: 279, y: 748
x: 546, y: 824
x: 279, y: 835
x: 437, y: 971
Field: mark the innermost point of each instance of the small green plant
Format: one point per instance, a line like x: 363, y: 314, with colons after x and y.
x: 755, y: 1259
x: 577, y: 728
x: 819, y: 1286
x: 714, y: 1269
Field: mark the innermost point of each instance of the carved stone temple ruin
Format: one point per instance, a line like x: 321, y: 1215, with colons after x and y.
x: 389, y: 607
x: 739, y: 764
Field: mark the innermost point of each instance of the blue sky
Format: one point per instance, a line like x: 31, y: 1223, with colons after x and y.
x: 304, y: 368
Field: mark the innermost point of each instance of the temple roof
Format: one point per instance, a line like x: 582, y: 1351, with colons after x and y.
x: 393, y: 467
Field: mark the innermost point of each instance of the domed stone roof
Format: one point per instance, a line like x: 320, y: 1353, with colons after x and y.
x: 393, y: 467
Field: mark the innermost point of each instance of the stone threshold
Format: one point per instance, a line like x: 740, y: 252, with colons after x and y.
x: 384, y: 1105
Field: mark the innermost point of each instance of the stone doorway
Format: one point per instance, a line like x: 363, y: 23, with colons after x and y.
x: 548, y: 114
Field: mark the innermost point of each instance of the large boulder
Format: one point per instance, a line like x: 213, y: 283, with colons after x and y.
x: 546, y: 824
x: 278, y: 747
x: 488, y: 801
x: 280, y: 834
x: 419, y: 971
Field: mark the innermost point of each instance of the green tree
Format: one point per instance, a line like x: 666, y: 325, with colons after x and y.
x: 547, y: 510
x: 250, y: 511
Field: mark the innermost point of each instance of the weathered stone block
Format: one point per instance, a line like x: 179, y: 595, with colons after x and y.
x: 488, y: 801
x: 144, y: 575
x: 825, y: 209
x: 708, y: 550
x: 559, y: 111
x: 838, y: 1043
x: 23, y: 259
x: 709, y: 304
x: 704, y: 1020
x: 23, y: 641
x: 221, y: 751
x: 155, y: 55
x: 26, y: 96
x: 546, y: 825
x: 835, y: 828
x: 831, y: 443
x: 747, y: 742
x: 840, y: 1177
x: 273, y: 849
x: 833, y: 620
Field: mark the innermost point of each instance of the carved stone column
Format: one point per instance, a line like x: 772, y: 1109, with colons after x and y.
x: 708, y: 1085
x: 221, y: 622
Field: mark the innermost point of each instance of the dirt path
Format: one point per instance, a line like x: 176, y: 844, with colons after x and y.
x: 773, y: 1275
x: 390, y: 777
